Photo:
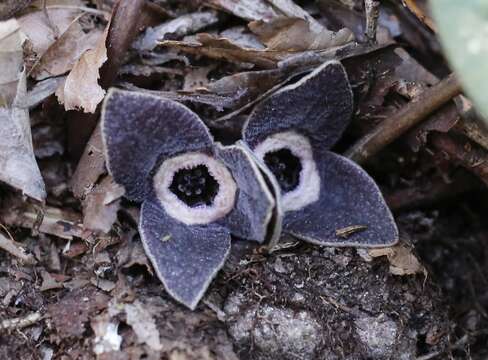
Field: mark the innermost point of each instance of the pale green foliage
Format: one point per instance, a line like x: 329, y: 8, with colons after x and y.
x: 463, y: 29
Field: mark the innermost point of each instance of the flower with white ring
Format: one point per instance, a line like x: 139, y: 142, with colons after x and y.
x: 308, y: 181
x: 195, y: 193
x: 222, y: 203
x: 326, y: 198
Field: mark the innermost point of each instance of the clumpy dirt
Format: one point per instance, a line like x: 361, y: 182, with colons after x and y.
x: 300, y: 302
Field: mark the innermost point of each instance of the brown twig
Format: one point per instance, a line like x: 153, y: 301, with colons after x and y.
x: 410, y: 115
x: 11, y: 246
x: 430, y: 192
x: 20, y: 322
x: 464, y: 153
x: 474, y: 130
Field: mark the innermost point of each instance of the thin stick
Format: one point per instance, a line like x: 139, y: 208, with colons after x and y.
x: 20, y: 322
x: 372, y: 14
x: 410, y: 115
x: 14, y: 248
x: 466, y: 154
x: 473, y: 130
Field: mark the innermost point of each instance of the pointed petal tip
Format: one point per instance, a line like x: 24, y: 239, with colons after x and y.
x: 349, y: 212
x: 185, y: 258
x: 319, y: 105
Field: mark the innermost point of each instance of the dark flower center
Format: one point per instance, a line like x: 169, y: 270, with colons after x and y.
x: 194, y: 186
x: 286, y: 168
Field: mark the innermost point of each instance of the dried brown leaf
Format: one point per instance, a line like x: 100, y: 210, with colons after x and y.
x: 401, y: 258
x: 183, y: 25
x: 18, y: 166
x: 63, y: 54
x: 11, y: 60
x: 43, y: 32
x: 296, y: 34
x: 101, y: 205
x: 222, y: 48
x: 81, y: 89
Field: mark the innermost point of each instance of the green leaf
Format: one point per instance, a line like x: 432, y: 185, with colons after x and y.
x: 463, y: 29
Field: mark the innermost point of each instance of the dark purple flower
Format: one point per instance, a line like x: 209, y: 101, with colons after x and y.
x: 195, y: 193
x: 326, y: 199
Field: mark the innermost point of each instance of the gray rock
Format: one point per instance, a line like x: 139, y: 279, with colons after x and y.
x: 274, y: 330
x: 378, y: 334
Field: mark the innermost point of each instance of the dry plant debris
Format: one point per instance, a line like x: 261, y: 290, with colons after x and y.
x: 96, y: 96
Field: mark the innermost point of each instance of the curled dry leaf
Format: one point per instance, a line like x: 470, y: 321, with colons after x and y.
x: 81, y: 89
x: 222, y: 48
x: 101, y: 205
x: 271, y: 14
x: 218, y: 101
x: 41, y: 32
x: 18, y: 166
x: 284, y: 37
x: 133, y: 254
x: 285, y: 33
x: 402, y: 260
x: 63, y: 54
x: 11, y: 60
x: 180, y: 26
x: 49, y: 282
x: 140, y: 317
